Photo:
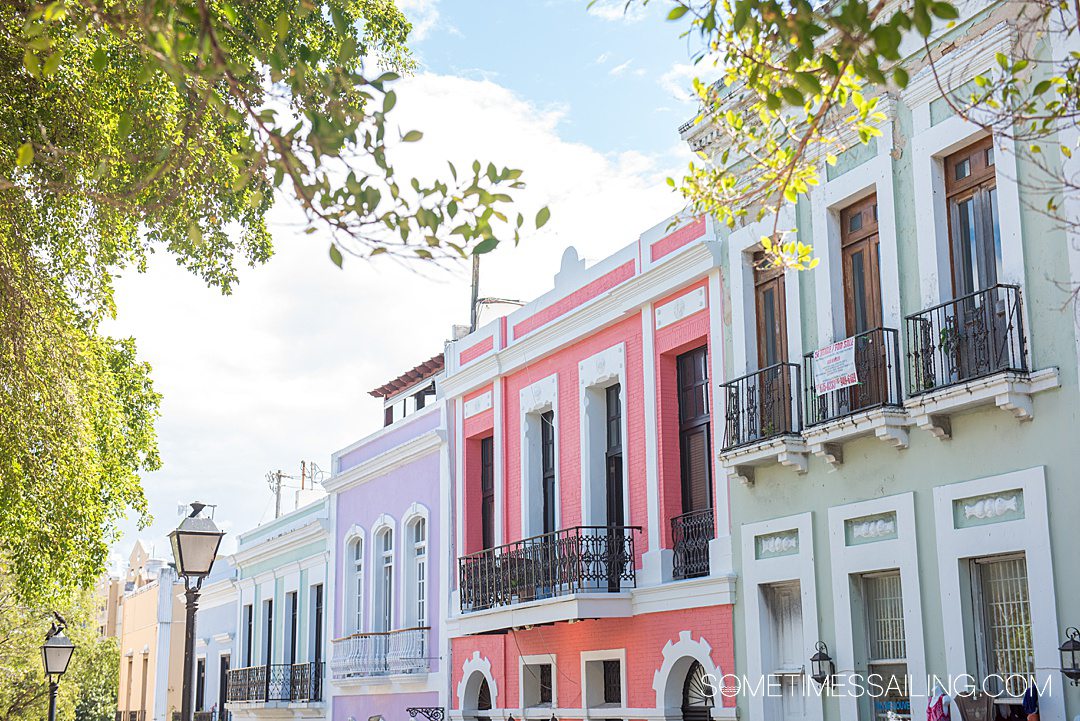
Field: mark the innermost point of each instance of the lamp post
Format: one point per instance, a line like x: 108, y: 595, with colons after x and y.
x: 195, y: 544
x: 55, y: 655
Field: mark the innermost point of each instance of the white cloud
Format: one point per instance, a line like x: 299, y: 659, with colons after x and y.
x: 602, y: 58
x: 618, y: 10
x: 279, y: 372
x: 679, y: 78
x: 620, y: 68
x: 423, y: 14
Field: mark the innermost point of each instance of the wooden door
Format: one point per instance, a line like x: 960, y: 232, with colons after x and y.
x: 860, y: 251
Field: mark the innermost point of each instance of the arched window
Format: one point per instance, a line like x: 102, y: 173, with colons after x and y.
x: 697, y: 696
x: 416, y: 612
x: 358, y: 584
x: 385, y: 580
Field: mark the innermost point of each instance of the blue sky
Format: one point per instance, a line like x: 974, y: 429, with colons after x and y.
x: 610, y: 70
x: 584, y: 102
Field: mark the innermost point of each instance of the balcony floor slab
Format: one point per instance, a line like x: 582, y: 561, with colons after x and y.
x: 888, y: 423
x: 790, y: 450
x: 572, y: 607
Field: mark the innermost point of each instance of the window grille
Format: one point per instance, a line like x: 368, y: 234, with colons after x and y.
x: 545, y: 684
x: 612, y: 682
x: 885, y: 616
x: 1006, y: 649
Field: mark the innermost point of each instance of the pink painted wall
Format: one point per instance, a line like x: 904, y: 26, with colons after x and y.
x: 643, y: 637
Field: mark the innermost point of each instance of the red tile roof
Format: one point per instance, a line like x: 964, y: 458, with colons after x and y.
x: 409, y: 378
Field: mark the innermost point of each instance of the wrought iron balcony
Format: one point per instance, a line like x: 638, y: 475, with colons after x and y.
x: 762, y: 405
x: 381, y: 653
x: 297, y: 682
x: 877, y: 366
x: 691, y: 533
x: 573, y: 560
x: 965, y: 339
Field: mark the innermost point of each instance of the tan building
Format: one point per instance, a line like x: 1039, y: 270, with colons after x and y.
x: 108, y: 593
x: 151, y: 639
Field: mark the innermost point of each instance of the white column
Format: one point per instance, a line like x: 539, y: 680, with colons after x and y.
x: 656, y: 562
x: 498, y: 446
x: 720, y: 547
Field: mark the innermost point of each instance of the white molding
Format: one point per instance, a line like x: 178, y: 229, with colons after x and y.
x: 741, y: 244
x: 1029, y: 535
x: 532, y: 660
x: 900, y: 553
x: 384, y: 522
x: 720, y: 548
x: 613, y: 654
x: 571, y: 607
x: 887, y: 423
x: 477, y: 405
x: 678, y: 657
x: 683, y: 268
x: 406, y: 581
x: 498, y: 442
x: 262, y: 550
x: 595, y: 374
x: 703, y: 592
x: 799, y: 567
x: 397, y: 457
x: 384, y: 431
x: 681, y: 307
x: 970, y: 58
x: 472, y: 665
x: 653, y: 560
x: 535, y: 399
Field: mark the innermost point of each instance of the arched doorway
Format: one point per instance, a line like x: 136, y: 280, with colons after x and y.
x: 483, y: 697
x: 697, y: 694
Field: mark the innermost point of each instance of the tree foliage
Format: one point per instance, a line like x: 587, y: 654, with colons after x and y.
x: 800, y: 83
x: 140, y: 126
x: 88, y: 690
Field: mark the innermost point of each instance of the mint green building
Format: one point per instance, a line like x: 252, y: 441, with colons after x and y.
x: 281, y: 627
x: 909, y: 499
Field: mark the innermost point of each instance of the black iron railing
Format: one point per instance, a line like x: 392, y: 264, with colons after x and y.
x: 877, y: 367
x: 573, y: 560
x: 204, y: 716
x: 690, y: 535
x: 762, y: 405
x: 276, y: 682
x: 967, y: 338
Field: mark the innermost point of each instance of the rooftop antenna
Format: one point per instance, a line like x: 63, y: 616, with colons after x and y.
x: 273, y: 479
x: 474, y: 307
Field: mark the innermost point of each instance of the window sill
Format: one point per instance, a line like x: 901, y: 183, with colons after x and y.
x: 788, y: 450
x: 1007, y: 390
x: 888, y: 423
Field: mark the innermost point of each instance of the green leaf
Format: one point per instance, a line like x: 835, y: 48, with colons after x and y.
x: 389, y: 101
x: 945, y: 11
x: 24, y: 155
x: 412, y: 136
x: 99, y: 59
x: 677, y: 12
x: 791, y: 95
x: 542, y: 217
x: 900, y: 76
x: 335, y: 255
x: 485, y: 246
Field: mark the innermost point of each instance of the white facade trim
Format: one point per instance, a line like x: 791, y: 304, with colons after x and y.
x: 741, y: 245
x: 681, y: 307
x: 655, y: 560
x: 468, y: 686
x: 900, y: 553
x: 678, y: 657
x: 538, y: 659
x: 397, y: 457
x: 1029, y: 535
x: 799, y: 567
x: 477, y: 405
x: 535, y: 399
x: 595, y: 374
x: 614, y: 654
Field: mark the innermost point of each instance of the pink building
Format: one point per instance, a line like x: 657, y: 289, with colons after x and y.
x: 592, y: 536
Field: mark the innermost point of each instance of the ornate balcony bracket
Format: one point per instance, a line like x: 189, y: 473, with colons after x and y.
x: 1007, y: 390
x: 887, y: 424
x: 431, y: 713
x: 741, y: 463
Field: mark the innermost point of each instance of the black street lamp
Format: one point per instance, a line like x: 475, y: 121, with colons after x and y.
x: 195, y: 544
x: 55, y: 655
x: 1070, y: 655
x: 821, y: 664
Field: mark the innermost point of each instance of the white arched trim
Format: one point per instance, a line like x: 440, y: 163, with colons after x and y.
x: 472, y: 671
x: 406, y: 579
x: 678, y: 657
x: 348, y: 575
x: 373, y: 567
x: 413, y: 512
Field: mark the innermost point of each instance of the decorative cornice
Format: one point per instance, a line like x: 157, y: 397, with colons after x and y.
x: 386, y: 430
x: 675, y: 270
x: 317, y: 529
x: 387, y: 461
x: 959, y: 66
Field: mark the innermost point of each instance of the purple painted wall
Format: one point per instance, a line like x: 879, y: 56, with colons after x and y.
x: 388, y: 438
x: 392, y: 494
x: 389, y: 706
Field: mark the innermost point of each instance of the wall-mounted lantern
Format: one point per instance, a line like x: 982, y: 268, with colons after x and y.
x: 821, y: 664
x: 1070, y: 655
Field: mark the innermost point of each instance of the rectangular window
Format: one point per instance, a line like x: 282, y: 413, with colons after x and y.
x: 200, y: 683
x: 693, y: 381
x: 886, y: 645
x: 223, y: 686
x: 291, y: 612
x: 612, y: 682
x: 862, y: 277
x: 487, y: 490
x: 317, y: 623
x: 1002, y: 612
x: 974, y: 234
x: 771, y: 307
x: 268, y: 631
x: 249, y: 633
x: 547, y: 456
x: 614, y: 458
x: 537, y: 688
